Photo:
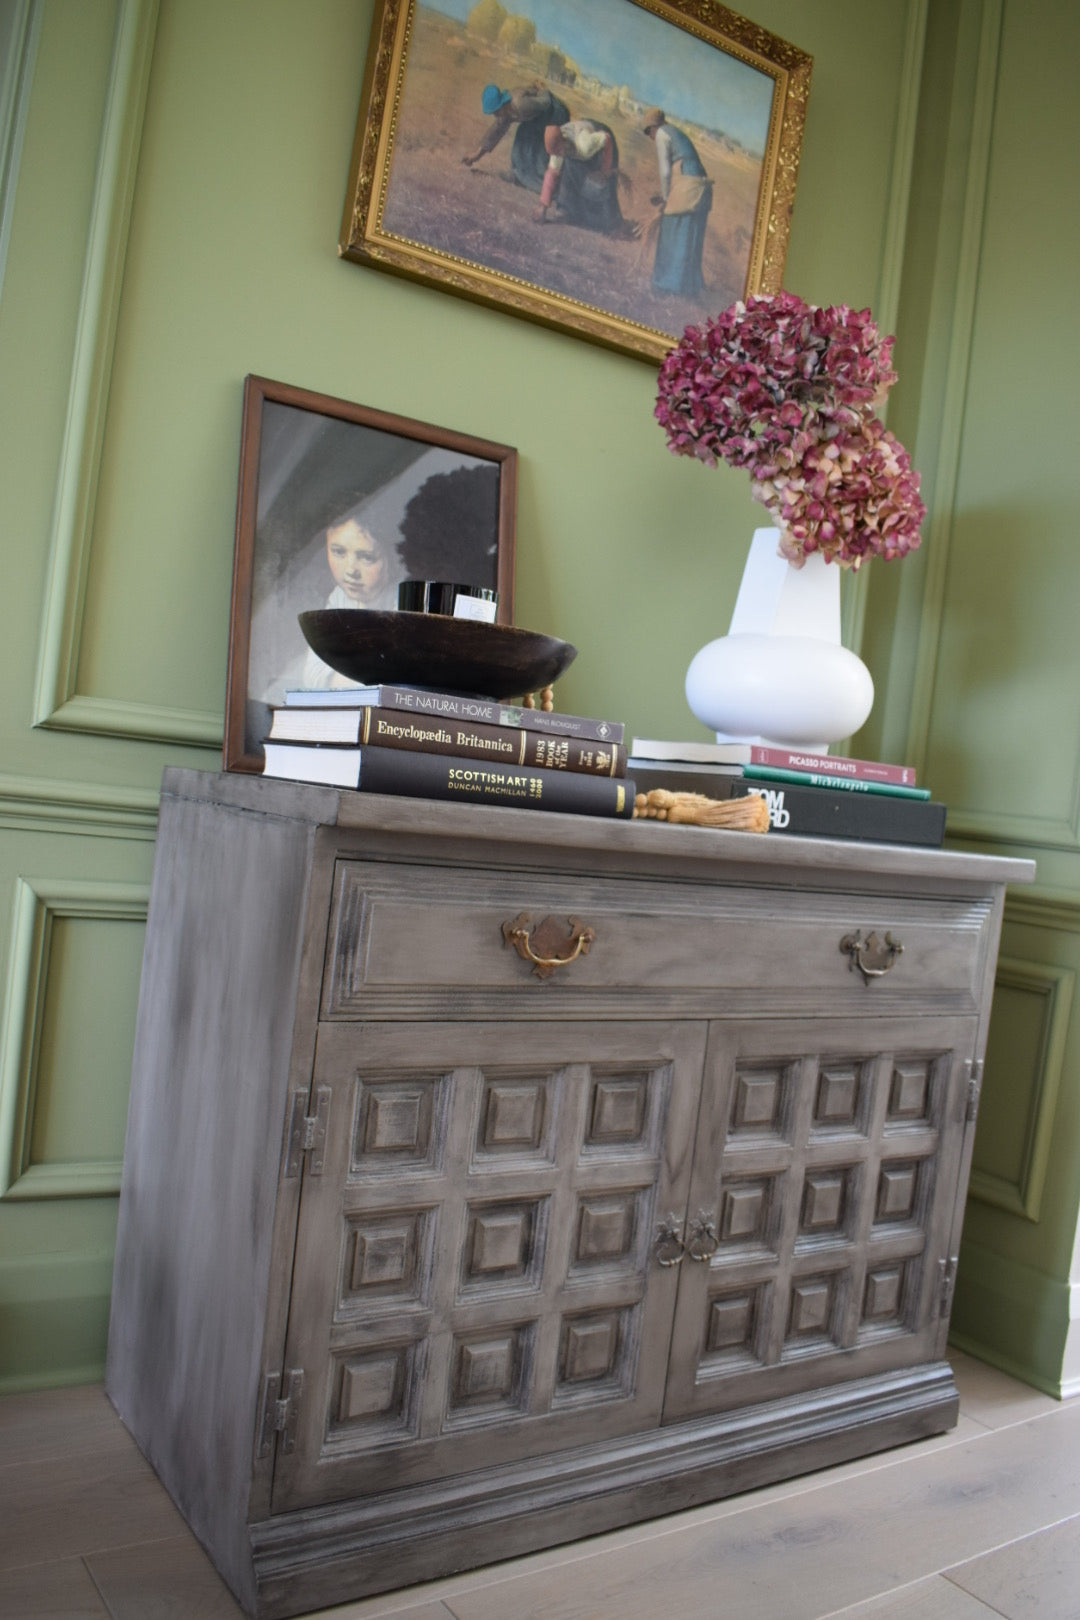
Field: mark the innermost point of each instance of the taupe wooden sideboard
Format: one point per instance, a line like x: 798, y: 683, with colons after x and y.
x: 494, y: 1177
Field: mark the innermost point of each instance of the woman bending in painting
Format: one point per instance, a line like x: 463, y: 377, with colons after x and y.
x: 583, y: 176
x: 531, y: 108
x: 587, y: 193
x: 685, y: 200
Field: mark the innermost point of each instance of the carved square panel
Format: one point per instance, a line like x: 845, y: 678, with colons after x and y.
x: 909, y: 1091
x: 839, y: 1094
x: 513, y: 1116
x: 883, y: 1294
x: 596, y: 1357
x: 589, y: 1348
x: 386, y: 1256
x: 396, y: 1124
x: 747, y: 1211
x: 503, y: 1244
x: 897, y: 1190
x: 732, y: 1322
x: 605, y: 1227
x: 375, y: 1393
x: 824, y: 1201
x: 812, y: 1310
x: 489, y: 1371
x: 618, y: 1111
x: 759, y: 1101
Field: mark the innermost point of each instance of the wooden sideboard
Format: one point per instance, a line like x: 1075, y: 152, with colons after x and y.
x: 436, y: 1248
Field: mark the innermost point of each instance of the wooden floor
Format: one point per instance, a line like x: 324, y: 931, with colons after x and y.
x: 982, y: 1522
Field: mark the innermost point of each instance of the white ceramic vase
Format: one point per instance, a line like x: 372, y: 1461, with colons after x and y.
x: 780, y: 675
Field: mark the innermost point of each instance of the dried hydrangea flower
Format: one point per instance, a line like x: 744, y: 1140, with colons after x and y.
x: 788, y: 390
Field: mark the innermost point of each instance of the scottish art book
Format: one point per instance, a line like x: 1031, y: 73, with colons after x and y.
x: 447, y: 776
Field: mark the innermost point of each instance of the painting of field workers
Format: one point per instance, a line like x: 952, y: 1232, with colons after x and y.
x: 602, y: 154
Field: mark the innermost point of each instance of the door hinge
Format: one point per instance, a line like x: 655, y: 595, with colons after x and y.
x: 280, y: 1413
x: 948, y: 1284
x: 974, y: 1087
x: 307, y: 1132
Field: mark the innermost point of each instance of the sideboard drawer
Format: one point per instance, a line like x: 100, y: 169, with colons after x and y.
x: 416, y: 937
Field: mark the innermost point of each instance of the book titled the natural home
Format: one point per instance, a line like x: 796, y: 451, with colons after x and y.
x: 455, y: 706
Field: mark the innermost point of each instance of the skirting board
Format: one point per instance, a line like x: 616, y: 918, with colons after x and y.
x: 327, y: 1555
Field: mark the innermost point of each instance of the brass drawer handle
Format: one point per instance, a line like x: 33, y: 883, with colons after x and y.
x: 669, y: 1248
x: 873, y: 956
x: 703, y: 1242
x: 553, y: 949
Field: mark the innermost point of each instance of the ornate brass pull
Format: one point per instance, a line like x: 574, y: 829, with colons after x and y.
x: 669, y: 1248
x: 873, y: 956
x: 703, y: 1242
x: 547, y: 947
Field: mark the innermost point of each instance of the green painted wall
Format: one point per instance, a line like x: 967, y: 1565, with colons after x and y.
x: 173, y: 223
x: 976, y: 640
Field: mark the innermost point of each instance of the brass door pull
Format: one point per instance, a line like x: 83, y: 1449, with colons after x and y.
x: 703, y: 1242
x: 547, y: 946
x: 872, y: 956
x: 669, y: 1247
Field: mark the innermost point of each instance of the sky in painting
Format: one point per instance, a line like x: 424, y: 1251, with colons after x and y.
x: 659, y: 63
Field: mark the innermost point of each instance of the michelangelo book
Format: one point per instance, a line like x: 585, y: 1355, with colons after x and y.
x: 447, y: 776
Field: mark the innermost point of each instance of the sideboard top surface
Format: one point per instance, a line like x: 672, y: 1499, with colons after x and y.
x: 530, y: 837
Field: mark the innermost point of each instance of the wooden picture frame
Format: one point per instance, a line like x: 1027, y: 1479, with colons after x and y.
x: 420, y: 501
x: 458, y: 132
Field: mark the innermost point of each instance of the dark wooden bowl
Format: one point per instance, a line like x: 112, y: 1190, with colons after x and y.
x: 428, y: 649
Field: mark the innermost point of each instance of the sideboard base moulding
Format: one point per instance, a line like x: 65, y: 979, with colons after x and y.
x: 495, y: 1178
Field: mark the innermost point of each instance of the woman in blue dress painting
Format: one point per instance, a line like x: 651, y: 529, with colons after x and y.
x: 588, y: 184
x: 684, y: 202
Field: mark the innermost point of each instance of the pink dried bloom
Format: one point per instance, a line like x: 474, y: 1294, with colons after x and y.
x: 850, y: 498
x: 787, y: 390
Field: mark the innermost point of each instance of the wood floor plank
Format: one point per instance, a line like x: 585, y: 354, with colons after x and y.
x: 425, y: 1609
x: 162, y: 1580
x: 835, y: 1547
x: 1037, y: 1578
x: 82, y: 1504
x: 933, y: 1599
x: 55, y: 1591
x: 994, y: 1399
x: 56, y: 1422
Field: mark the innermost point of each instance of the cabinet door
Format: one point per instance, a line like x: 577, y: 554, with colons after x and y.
x: 474, y: 1279
x: 821, y: 1208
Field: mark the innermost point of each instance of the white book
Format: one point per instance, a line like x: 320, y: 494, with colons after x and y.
x: 691, y: 753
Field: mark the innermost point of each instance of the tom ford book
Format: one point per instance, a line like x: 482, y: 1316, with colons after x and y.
x: 453, y: 706
x: 448, y: 776
x: 810, y: 812
x: 393, y: 728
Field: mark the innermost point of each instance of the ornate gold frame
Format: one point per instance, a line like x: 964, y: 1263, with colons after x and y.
x: 366, y: 240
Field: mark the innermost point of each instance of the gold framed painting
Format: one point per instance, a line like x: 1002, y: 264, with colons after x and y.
x: 619, y: 170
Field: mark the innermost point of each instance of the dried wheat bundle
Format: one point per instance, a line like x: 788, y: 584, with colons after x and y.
x: 750, y: 814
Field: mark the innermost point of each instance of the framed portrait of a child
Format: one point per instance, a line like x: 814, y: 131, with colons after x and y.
x: 337, y: 504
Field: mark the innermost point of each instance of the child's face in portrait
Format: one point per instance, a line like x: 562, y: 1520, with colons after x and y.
x: 356, y: 561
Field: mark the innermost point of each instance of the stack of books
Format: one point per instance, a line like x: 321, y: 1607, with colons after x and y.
x: 809, y: 795
x: 439, y: 745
